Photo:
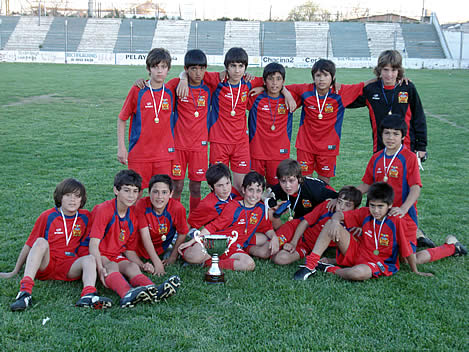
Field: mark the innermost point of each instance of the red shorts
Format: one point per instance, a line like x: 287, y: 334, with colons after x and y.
x: 116, y: 258
x: 195, y: 161
x: 267, y: 168
x: 353, y: 257
x: 411, y: 228
x: 234, y: 249
x: 236, y: 156
x: 323, y: 165
x: 58, y: 270
x: 148, y: 169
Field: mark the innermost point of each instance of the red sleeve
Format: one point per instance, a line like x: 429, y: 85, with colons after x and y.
x: 413, y: 171
x: 350, y: 92
x: 202, y: 215
x: 38, y: 229
x: 140, y: 213
x: 257, y: 82
x: 180, y: 221
x: 224, y: 220
x: 265, y: 225
x: 134, y: 240
x: 101, y: 217
x: 172, y: 84
x: 354, y: 218
x: 211, y: 79
x: 313, y: 216
x: 130, y: 104
x: 368, y: 176
x: 404, y: 245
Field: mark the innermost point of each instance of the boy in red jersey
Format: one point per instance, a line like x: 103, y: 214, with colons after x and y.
x: 373, y: 254
x: 270, y: 124
x: 247, y: 217
x: 318, y: 139
x: 300, y: 235
x: 113, y: 239
x: 161, y: 222
x: 50, y: 251
x: 151, y: 144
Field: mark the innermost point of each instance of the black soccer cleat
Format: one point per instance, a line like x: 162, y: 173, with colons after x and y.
x: 94, y: 301
x: 23, y: 301
x: 304, y: 273
x: 459, y: 249
x: 165, y: 290
x: 423, y: 240
x: 133, y: 296
x: 323, y: 266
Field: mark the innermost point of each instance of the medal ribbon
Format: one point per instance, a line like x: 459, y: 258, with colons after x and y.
x: 386, y: 99
x: 386, y: 169
x: 196, y: 102
x: 154, y: 102
x: 296, y: 201
x: 233, y: 107
x: 321, y: 108
x: 274, y: 116
x: 379, y: 233
x: 67, y: 237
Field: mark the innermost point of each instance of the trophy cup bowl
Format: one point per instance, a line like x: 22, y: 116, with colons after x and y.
x: 215, y: 246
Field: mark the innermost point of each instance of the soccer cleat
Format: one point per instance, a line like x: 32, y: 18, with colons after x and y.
x: 324, y: 266
x: 423, y: 240
x: 94, y: 301
x: 23, y: 301
x: 133, y: 296
x: 165, y: 290
x: 459, y: 249
x: 304, y: 273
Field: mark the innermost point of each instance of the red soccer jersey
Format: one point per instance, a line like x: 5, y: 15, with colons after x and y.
x: 191, y: 115
x: 388, y: 237
x: 316, y: 220
x: 322, y: 136
x: 209, y: 209
x: 270, y: 127
x: 50, y: 226
x: 150, y: 141
x: 116, y: 234
x: 402, y: 174
x: 224, y: 128
x: 171, y: 220
x: 246, y: 221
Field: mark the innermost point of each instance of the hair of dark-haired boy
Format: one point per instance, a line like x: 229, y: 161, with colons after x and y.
x: 215, y: 172
x: 273, y: 68
x: 195, y: 57
x: 351, y: 194
x: 289, y: 167
x: 236, y: 55
x: 127, y: 178
x: 393, y: 122
x: 253, y: 177
x: 157, y: 55
x: 69, y: 185
x: 380, y: 192
x: 160, y: 178
x: 323, y: 65
x: 390, y: 57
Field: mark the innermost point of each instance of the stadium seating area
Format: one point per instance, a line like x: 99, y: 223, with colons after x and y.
x: 285, y: 39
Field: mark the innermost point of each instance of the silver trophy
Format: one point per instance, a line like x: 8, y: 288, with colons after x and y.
x: 215, y: 246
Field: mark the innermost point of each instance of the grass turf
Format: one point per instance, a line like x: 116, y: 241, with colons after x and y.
x: 59, y: 121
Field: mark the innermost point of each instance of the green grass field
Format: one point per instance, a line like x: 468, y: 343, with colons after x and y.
x: 59, y: 121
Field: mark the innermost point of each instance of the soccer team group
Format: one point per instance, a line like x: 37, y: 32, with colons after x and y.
x: 252, y: 180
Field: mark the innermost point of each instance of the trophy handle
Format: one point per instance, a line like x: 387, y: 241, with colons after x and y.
x: 198, y: 239
x: 232, y: 240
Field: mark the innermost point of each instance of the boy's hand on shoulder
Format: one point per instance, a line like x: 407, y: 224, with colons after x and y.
x: 397, y: 211
x: 140, y: 83
x: 248, y: 77
x: 331, y: 205
x: 256, y: 91
x: 404, y: 80
x: 182, y: 90
x: 223, y: 75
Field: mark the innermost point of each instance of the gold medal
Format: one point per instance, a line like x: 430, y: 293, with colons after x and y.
x: 233, y: 113
x: 163, y: 238
x: 196, y: 114
x: 385, y: 179
x: 320, y: 116
x: 290, y: 218
x: 390, y: 112
x: 272, y: 127
x: 375, y: 252
x: 157, y: 120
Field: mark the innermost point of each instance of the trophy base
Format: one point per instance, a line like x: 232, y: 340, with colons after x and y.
x: 215, y: 279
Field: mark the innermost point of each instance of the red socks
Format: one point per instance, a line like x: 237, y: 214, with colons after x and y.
x: 87, y: 290
x: 440, y: 252
x: 140, y: 280
x: 193, y: 203
x: 116, y: 282
x: 26, y: 284
x: 312, y: 260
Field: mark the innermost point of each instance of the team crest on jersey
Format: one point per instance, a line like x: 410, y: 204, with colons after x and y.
x: 176, y: 170
x: 76, y: 230
x: 165, y: 104
x: 162, y: 228
x: 244, y: 96
x: 253, y: 219
x: 329, y: 108
x: 394, y: 171
x: 201, y: 101
x: 304, y: 166
x: 306, y: 203
x: 403, y: 97
x: 282, y: 109
x: 384, y: 240
x: 122, y: 235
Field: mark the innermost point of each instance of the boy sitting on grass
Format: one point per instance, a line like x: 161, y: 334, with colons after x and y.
x: 50, y: 251
x: 373, y: 254
x: 161, y: 222
x: 113, y: 241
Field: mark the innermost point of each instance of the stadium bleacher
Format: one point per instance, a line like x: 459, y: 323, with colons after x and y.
x: 28, y: 34
x: 100, y: 35
x: 278, y: 39
x: 142, y: 36
x: 243, y: 34
x: 6, y: 28
x: 172, y: 35
x: 55, y: 39
x: 312, y: 39
x: 421, y: 41
x: 207, y: 36
x: 349, y: 39
x: 384, y: 36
